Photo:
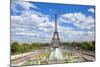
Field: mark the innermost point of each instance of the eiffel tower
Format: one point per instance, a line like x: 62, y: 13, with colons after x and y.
x: 55, y: 40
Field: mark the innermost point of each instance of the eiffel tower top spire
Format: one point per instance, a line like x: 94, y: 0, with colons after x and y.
x: 55, y: 22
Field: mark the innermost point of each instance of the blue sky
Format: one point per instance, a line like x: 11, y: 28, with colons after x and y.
x: 34, y: 21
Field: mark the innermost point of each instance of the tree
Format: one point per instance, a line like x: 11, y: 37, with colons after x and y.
x: 14, y: 47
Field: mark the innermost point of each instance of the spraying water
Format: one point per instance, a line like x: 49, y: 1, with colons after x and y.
x: 56, y: 55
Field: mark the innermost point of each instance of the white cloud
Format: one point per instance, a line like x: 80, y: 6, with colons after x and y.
x: 26, y: 34
x: 85, y: 24
x: 91, y: 10
x: 34, y: 24
x: 23, y: 5
x: 16, y: 19
x: 26, y: 5
x: 79, y: 19
x: 73, y: 35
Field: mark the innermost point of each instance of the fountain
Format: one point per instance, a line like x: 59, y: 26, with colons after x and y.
x: 56, y: 55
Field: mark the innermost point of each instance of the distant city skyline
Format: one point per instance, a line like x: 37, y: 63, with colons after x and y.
x: 34, y: 21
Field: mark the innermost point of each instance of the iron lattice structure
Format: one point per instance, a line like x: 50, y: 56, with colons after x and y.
x: 55, y: 40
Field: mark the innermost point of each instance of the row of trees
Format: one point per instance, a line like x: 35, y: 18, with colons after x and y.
x: 17, y: 48
x: 86, y: 45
